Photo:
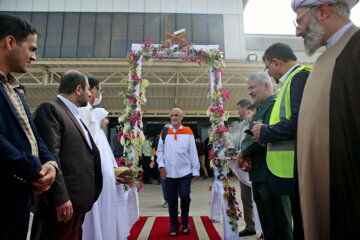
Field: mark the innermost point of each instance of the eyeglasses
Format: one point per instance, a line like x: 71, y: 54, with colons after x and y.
x: 297, y: 22
x: 266, y: 70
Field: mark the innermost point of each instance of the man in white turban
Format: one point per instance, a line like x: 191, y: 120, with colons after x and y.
x: 328, y: 150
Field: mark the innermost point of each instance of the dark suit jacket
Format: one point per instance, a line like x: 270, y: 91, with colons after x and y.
x: 18, y: 166
x: 80, y: 179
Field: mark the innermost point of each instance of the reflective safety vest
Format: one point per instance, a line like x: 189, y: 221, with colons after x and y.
x: 280, y: 155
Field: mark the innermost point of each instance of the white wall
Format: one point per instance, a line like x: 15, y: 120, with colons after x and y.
x: 232, y: 10
x: 162, y: 6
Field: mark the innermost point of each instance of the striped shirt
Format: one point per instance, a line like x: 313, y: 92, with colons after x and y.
x: 10, y: 83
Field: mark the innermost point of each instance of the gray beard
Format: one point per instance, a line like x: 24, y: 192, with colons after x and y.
x: 313, y: 36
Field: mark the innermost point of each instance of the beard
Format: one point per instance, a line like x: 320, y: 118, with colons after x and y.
x: 313, y: 35
x: 18, y: 64
x: 82, y: 101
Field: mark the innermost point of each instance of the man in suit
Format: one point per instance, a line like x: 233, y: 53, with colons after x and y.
x: 62, y: 209
x: 26, y: 164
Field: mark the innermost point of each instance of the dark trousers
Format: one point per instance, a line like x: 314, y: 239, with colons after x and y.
x: 247, y: 200
x: 274, y: 212
x: 296, y: 208
x: 16, y: 230
x: 163, y: 189
x: 175, y: 187
x: 46, y: 226
x: 145, y: 164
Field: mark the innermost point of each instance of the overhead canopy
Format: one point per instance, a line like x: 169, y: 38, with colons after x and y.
x: 172, y: 83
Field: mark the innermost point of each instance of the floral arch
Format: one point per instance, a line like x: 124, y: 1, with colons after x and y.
x: 222, y: 193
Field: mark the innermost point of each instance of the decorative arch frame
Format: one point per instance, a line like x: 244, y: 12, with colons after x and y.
x: 210, y: 56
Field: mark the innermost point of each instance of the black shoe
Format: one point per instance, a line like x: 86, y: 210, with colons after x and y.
x: 174, y: 230
x: 245, y: 232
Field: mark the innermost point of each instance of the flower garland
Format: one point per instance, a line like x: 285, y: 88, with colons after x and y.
x: 133, y: 136
x: 218, y: 135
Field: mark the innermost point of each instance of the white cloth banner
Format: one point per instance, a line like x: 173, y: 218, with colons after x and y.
x: 137, y: 47
x: 245, y: 179
x: 132, y: 203
x: 239, y: 173
x: 212, y: 77
x: 219, y: 206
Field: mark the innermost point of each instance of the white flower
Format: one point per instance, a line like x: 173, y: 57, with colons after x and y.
x: 142, y: 137
x: 122, y: 140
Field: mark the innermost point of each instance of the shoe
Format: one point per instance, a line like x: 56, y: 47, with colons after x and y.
x: 186, y: 230
x: 245, y: 232
x: 174, y: 230
x: 147, y: 182
x: 165, y: 205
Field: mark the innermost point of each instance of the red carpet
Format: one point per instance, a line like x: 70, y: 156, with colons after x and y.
x: 161, y: 227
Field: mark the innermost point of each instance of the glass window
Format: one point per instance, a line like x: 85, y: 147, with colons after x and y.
x: 86, y: 35
x: 103, y: 35
x: 184, y: 21
x: 152, y: 27
x: 168, y: 24
x: 200, y: 29
x: 136, y: 29
x: 119, y: 35
x: 24, y: 15
x: 40, y: 21
x: 216, y: 30
x: 70, y: 35
x: 54, y: 35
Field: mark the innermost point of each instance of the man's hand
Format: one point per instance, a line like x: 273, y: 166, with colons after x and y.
x: 239, y: 159
x: 163, y: 173
x: 47, y: 177
x: 243, y: 162
x: 247, y: 166
x: 196, y: 178
x: 256, y: 131
x: 152, y: 163
x: 64, y: 212
x: 126, y: 177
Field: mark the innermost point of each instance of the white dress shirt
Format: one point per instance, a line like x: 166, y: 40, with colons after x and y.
x: 336, y: 36
x: 88, y: 119
x: 179, y: 157
x: 285, y: 76
x: 74, y: 110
